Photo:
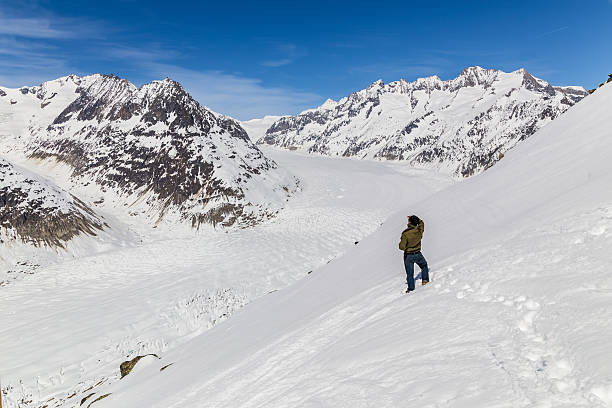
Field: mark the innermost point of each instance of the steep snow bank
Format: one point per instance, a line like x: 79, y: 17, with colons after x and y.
x: 512, y: 318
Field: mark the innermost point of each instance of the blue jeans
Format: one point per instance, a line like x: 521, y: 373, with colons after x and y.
x: 409, y: 261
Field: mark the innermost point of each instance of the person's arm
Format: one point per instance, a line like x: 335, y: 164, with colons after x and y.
x: 422, y: 227
x: 402, y: 244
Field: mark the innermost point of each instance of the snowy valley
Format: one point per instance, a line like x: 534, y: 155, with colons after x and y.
x: 137, y: 222
x: 516, y: 316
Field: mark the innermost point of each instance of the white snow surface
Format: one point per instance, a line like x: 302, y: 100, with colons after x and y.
x: 28, y: 108
x: 154, y: 289
x: 517, y: 314
x: 256, y: 128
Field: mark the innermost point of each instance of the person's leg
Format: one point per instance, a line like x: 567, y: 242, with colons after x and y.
x: 422, y: 262
x: 409, y: 266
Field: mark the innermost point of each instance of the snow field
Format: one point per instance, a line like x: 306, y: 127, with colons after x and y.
x: 166, y: 285
x: 484, y: 333
x: 517, y: 313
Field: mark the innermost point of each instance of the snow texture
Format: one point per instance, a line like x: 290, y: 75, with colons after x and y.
x: 517, y: 314
x: 170, y: 285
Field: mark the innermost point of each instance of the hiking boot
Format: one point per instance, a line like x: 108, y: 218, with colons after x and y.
x: 409, y: 290
x: 424, y: 283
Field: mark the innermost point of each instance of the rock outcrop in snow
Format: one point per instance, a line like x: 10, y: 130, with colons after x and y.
x: 34, y: 211
x: 155, y: 147
x: 461, y: 125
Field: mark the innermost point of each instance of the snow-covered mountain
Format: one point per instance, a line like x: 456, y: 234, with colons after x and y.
x: 462, y: 125
x: 153, y: 148
x: 35, y: 211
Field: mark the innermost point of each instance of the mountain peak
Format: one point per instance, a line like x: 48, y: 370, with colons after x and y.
x: 474, y: 76
x: 376, y: 84
x: 329, y: 104
x: 475, y: 69
x: 159, y: 144
x: 164, y: 86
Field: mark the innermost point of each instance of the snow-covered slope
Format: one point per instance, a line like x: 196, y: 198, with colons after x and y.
x: 153, y: 292
x: 256, y: 128
x: 462, y: 126
x: 153, y: 148
x: 517, y: 315
x: 25, y: 109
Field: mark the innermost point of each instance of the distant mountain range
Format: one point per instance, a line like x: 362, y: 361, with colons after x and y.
x: 461, y: 126
x: 158, y: 152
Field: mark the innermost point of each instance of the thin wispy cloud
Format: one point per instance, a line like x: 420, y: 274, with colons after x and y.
x: 287, y: 52
x: 556, y: 30
x: 30, y: 28
x: 37, y: 49
x: 245, y: 98
x: 397, y: 70
x: 27, y: 62
x: 152, y: 52
x: 408, y: 69
x: 277, y: 63
x: 234, y: 95
x: 34, y: 50
x: 50, y: 27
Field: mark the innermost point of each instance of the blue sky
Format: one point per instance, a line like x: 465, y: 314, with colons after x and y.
x: 249, y: 59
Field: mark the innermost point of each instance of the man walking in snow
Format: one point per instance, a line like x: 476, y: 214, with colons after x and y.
x: 410, y: 243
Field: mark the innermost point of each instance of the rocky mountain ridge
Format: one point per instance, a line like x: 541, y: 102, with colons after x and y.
x: 153, y: 149
x: 462, y: 125
x: 35, y: 211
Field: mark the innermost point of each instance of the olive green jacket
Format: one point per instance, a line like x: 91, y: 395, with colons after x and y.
x: 411, y: 238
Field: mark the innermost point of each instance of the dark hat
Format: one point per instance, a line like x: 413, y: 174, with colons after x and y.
x: 414, y: 220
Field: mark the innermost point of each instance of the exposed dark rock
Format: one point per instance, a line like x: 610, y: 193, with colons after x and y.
x: 98, y: 399
x: 39, y: 214
x: 127, y: 366
x: 86, y: 398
